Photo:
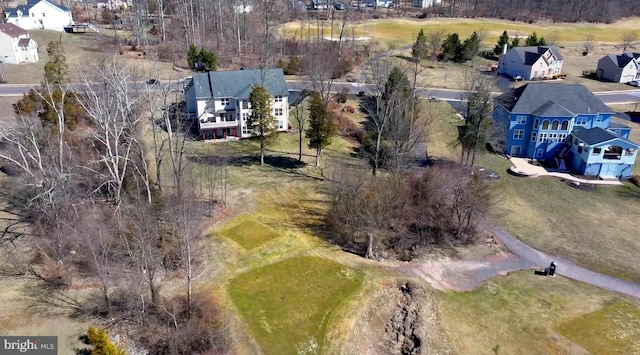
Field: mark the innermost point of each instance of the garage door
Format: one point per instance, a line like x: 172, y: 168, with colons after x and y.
x: 608, y: 170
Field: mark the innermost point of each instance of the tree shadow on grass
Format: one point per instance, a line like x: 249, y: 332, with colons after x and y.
x: 629, y: 191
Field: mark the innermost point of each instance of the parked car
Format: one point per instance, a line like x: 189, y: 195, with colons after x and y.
x: 339, y: 6
x: 152, y: 81
x: 634, y: 83
x: 518, y: 78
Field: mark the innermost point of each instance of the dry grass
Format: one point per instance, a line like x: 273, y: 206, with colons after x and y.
x: 80, y: 49
x: 519, y: 314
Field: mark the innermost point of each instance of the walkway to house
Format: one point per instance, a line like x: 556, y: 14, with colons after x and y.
x: 522, y: 167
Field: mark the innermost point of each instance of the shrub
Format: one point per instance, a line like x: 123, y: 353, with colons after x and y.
x: 101, y: 343
x: 348, y: 128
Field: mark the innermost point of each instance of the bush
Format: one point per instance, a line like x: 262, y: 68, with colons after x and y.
x: 101, y: 343
x: 348, y: 128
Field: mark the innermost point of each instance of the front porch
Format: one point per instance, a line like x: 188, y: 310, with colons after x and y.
x: 220, y: 134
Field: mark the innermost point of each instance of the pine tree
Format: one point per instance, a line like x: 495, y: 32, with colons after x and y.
x: 533, y: 40
x: 321, y: 125
x: 419, y: 51
x: 452, y: 48
x: 471, y: 47
x: 504, y: 39
x: 262, y: 123
x: 56, y: 71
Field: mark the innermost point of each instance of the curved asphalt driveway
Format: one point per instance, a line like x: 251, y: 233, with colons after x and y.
x: 564, y: 267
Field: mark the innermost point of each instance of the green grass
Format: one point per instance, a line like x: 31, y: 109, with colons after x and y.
x: 612, y: 329
x: 248, y: 233
x: 519, y: 314
x: 288, y: 305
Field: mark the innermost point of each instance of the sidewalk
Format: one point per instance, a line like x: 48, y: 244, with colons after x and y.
x: 522, y: 167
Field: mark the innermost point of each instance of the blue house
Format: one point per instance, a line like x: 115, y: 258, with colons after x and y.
x: 567, y: 127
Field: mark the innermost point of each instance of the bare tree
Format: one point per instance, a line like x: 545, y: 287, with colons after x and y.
x: 300, y: 118
x: 553, y: 38
x: 113, y: 106
x: 478, y: 89
x: 628, y: 38
x: 434, y: 42
x: 587, y: 44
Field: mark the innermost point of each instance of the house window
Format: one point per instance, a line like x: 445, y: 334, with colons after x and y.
x: 543, y: 137
x: 280, y: 125
x: 279, y: 112
x: 629, y: 151
x: 533, y: 136
x: 521, y: 120
x: 598, y: 118
x: 553, y: 137
x: 518, y: 134
x: 581, y: 120
x: 245, y: 104
x: 539, y: 153
x: 245, y: 116
x: 545, y: 124
x: 33, y: 14
x: 535, y: 123
x: 554, y: 125
x: 579, y: 149
x: 277, y: 99
x: 565, y: 125
x: 225, y: 102
x: 562, y: 137
x: 43, y: 14
x: 597, y: 150
x: 245, y: 130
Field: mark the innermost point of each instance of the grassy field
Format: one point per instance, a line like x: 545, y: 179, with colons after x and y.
x: 289, y: 304
x: 248, y: 232
x: 79, y: 49
x: 528, y: 314
x: 399, y: 32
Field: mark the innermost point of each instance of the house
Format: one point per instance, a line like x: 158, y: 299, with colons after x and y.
x: 321, y: 4
x: 16, y: 46
x: 530, y: 62
x: 218, y: 101
x: 426, y: 3
x: 39, y: 14
x: 618, y: 68
x: 562, y: 125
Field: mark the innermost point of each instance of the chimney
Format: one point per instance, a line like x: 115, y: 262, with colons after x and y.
x: 504, y: 49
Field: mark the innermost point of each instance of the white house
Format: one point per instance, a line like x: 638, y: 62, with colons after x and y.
x: 39, y: 14
x: 426, y: 3
x: 218, y: 101
x: 16, y: 46
x: 618, y: 68
x: 530, y: 62
x: 112, y: 4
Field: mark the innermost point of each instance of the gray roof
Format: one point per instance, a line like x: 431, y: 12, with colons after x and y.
x: 238, y: 83
x: 614, y: 124
x: 13, y: 11
x: 632, y: 54
x: 551, y: 108
x: 618, y: 60
x: 597, y: 135
x: 530, y: 98
x: 530, y: 55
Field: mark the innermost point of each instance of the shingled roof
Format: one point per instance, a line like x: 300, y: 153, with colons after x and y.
x: 530, y: 55
x: 620, y: 61
x: 12, y: 30
x: 13, y: 11
x: 552, y: 98
x: 237, y: 83
x: 597, y: 135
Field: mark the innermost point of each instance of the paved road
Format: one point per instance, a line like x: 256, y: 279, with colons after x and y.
x: 565, y: 268
x: 615, y: 97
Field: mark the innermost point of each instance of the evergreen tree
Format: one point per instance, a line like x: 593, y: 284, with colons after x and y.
x: 193, y: 54
x: 471, y: 47
x: 321, y: 126
x: 533, y: 40
x: 419, y: 51
x: 515, y: 42
x: 101, y: 343
x: 504, y: 39
x: 56, y: 71
x: 452, y: 48
x: 201, y: 59
x: 262, y: 123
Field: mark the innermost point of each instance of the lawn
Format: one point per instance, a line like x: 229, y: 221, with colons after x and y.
x: 613, y: 329
x: 288, y: 305
x: 527, y: 314
x: 248, y: 233
x: 80, y: 49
